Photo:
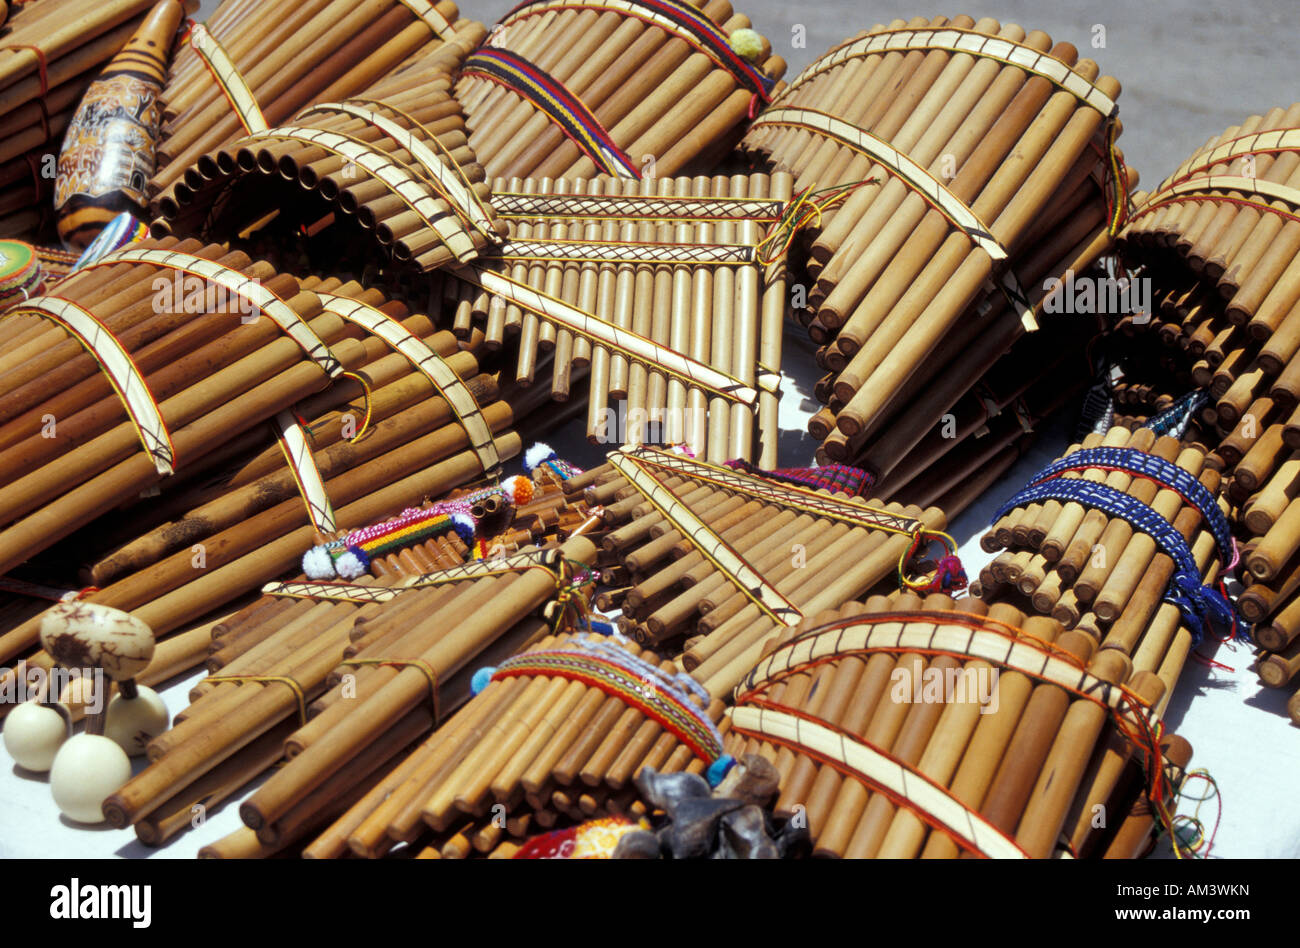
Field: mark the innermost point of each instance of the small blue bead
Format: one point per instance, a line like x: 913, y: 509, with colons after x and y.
x: 481, y: 678
x: 719, y: 769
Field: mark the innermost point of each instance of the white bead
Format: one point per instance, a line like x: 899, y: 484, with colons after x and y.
x: 33, y: 734
x: 87, y: 769
x: 134, y: 722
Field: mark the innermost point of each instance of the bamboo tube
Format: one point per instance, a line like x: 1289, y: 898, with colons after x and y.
x: 325, y: 756
x: 1278, y: 669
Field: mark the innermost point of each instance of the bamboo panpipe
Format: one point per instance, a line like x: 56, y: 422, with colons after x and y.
x: 341, y: 616
x: 366, y: 173
x: 956, y: 116
x: 318, y: 52
x: 487, y: 752
x: 1244, y: 250
x: 1125, y: 576
x: 694, y: 289
x: 654, y: 99
x: 257, y: 529
x: 986, y: 756
x: 499, y: 603
x: 788, y: 547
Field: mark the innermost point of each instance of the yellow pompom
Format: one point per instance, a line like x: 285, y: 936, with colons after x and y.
x: 747, y: 43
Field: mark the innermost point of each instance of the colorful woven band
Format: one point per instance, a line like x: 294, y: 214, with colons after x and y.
x: 549, y: 96
x: 1152, y: 468
x: 676, y: 18
x: 600, y: 663
x: 853, y: 481
x: 1198, y: 604
x: 1175, y: 419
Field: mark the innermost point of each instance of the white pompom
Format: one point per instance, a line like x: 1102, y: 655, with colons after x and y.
x: 536, y: 455
x: 348, y: 566
x: 318, y: 564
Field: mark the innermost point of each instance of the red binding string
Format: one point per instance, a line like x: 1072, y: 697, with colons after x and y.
x: 41, y: 64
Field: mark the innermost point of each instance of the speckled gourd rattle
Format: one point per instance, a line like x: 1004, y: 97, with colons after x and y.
x: 90, y: 766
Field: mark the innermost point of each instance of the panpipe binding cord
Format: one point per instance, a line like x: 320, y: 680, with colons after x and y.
x: 365, y: 391
x: 429, y: 672
x: 1187, y: 829
x: 804, y: 212
x: 350, y: 556
x: 291, y: 683
x: 676, y: 701
x: 949, y: 575
x: 1118, y: 201
x: 1200, y: 605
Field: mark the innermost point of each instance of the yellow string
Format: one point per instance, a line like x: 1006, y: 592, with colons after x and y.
x: 920, y: 537
x: 419, y: 663
x: 569, y: 602
x: 804, y: 212
x: 365, y: 422
x: 267, y: 680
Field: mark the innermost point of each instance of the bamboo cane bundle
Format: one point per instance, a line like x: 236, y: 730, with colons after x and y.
x: 562, y: 726
x: 421, y: 421
x: 944, y: 159
x: 604, y: 87
x: 261, y: 63
x: 50, y: 54
x: 390, y: 170
x: 1117, y: 552
x: 337, y: 636
x: 932, y: 727
x: 734, y: 555
x: 663, y: 291
x: 393, y: 669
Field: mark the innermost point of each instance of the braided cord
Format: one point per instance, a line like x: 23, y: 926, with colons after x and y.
x: 1197, y: 603
x: 1153, y: 468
